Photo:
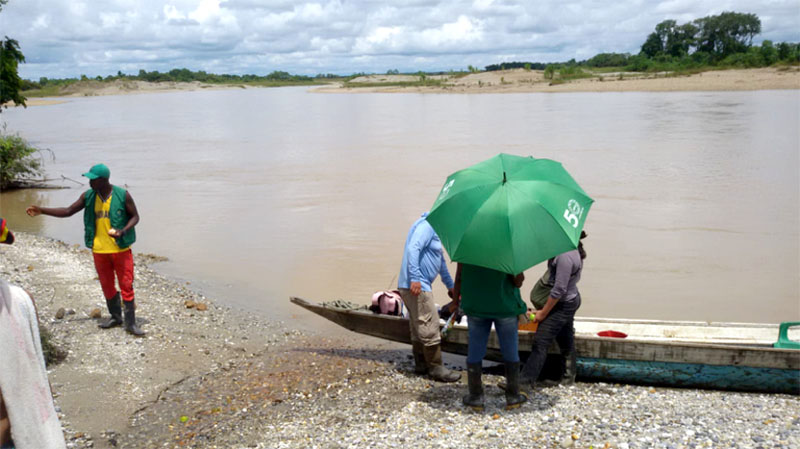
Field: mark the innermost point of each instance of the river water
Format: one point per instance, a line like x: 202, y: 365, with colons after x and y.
x: 258, y: 194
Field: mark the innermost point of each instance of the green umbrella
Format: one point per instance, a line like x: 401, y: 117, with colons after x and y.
x: 509, y: 213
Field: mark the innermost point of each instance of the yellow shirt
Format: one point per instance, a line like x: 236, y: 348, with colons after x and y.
x: 103, y: 243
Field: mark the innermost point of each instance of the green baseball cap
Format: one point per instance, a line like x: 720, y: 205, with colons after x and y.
x: 98, y: 171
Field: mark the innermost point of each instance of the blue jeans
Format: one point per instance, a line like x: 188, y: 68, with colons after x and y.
x: 479, y: 330
x: 558, y: 326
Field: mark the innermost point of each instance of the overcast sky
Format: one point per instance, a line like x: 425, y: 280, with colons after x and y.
x: 67, y: 38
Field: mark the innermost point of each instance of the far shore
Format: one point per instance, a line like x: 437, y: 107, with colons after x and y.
x: 121, y: 87
x: 502, y: 81
x: 528, y: 81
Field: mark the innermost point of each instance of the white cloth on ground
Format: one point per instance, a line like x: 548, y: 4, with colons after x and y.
x: 23, y: 376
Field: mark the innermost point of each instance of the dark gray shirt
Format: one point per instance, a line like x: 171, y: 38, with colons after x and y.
x: 565, y: 272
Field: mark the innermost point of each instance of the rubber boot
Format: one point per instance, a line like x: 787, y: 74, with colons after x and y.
x: 570, y: 372
x: 513, y: 397
x: 130, y: 319
x: 474, y: 399
x: 436, y: 370
x: 420, y: 367
x: 523, y: 381
x: 570, y: 368
x: 115, y: 310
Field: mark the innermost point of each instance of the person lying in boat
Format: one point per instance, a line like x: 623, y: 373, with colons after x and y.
x: 447, y: 310
x: 388, y: 303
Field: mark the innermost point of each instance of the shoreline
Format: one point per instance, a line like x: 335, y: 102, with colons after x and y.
x: 120, y: 87
x: 533, y: 81
x: 502, y: 81
x: 226, y: 378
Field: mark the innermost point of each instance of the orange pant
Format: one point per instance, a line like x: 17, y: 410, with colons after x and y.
x: 121, y: 264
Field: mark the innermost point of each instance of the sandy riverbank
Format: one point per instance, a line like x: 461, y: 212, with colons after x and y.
x: 521, y: 81
x: 228, y: 379
x: 126, y: 87
x: 504, y: 81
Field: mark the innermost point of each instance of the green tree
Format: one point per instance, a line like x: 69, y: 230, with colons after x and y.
x: 17, y: 162
x: 681, y: 39
x: 671, y: 39
x: 653, y: 45
x: 10, y: 82
x: 784, y: 51
x: 608, y: 60
x: 727, y: 33
x: 768, y: 52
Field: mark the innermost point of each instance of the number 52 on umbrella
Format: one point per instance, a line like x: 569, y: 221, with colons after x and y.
x: 509, y: 213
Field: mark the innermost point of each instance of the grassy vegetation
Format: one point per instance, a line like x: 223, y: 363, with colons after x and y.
x: 47, y: 91
x: 47, y: 87
x: 52, y: 353
x: 427, y: 82
x: 20, y: 163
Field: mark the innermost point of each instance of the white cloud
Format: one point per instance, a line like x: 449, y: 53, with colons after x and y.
x: 69, y: 37
x: 41, y: 22
x: 463, y: 31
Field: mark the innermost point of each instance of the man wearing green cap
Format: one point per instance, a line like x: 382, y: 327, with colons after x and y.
x: 109, y: 217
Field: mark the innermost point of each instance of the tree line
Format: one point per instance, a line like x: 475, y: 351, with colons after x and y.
x: 724, y: 40
x: 181, y: 76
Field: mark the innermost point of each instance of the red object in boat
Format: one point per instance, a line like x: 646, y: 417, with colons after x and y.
x: 614, y: 334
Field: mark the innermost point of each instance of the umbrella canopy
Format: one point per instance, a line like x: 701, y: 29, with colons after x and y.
x: 509, y: 213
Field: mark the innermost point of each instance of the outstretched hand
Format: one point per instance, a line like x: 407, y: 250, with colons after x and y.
x: 33, y: 211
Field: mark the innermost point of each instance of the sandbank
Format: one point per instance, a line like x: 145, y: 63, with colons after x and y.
x: 524, y: 81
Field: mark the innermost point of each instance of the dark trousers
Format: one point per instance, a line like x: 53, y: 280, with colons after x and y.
x: 558, y: 326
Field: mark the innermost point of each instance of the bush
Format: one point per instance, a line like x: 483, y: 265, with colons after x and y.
x: 639, y: 63
x: 747, y: 60
x: 52, y: 353
x: 18, y: 164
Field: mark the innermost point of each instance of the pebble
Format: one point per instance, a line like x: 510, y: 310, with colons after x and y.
x: 395, y: 409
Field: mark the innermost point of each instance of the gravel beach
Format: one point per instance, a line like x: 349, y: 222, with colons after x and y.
x: 225, y: 378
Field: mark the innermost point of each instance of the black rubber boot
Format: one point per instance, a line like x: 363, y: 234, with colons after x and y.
x: 130, y: 319
x: 513, y: 397
x: 115, y: 310
x: 570, y: 368
x: 420, y: 367
x: 436, y: 369
x: 474, y: 399
x: 570, y: 372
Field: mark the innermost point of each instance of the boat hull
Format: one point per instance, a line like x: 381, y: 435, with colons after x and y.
x: 743, y: 367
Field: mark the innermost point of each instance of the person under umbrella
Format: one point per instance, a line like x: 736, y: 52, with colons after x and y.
x: 490, y: 297
x: 423, y: 262
x: 556, y: 318
x: 508, y: 213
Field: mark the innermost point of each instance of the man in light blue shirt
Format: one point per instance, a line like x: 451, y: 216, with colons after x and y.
x: 423, y: 261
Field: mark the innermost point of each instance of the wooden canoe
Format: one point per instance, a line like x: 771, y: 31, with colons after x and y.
x: 727, y: 356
